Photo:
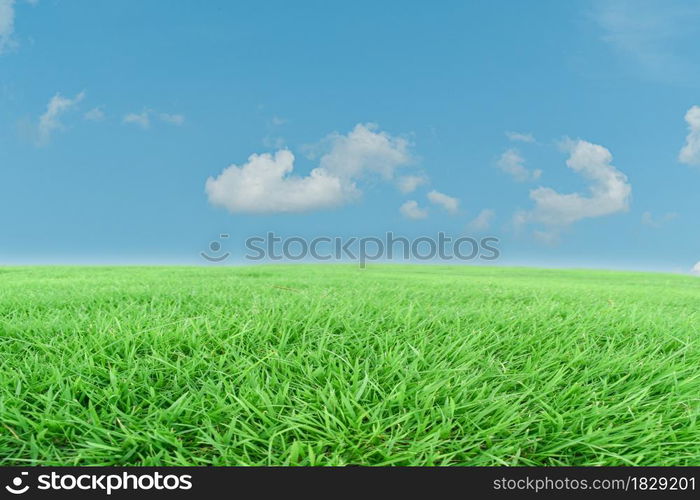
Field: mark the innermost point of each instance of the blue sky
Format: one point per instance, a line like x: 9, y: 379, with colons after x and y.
x: 566, y: 129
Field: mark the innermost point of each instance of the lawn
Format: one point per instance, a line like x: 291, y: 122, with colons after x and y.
x: 333, y: 365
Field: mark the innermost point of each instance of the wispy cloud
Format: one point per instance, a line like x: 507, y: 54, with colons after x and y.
x: 266, y: 184
x: 513, y: 164
x: 690, y: 154
x: 7, y: 23
x: 482, y: 221
x: 50, y: 122
x: 274, y: 142
x: 411, y: 210
x: 655, y: 35
x: 172, y: 119
x: 143, y: 119
x: 649, y: 220
x: 94, y: 115
x: 277, y: 121
x: 520, y: 137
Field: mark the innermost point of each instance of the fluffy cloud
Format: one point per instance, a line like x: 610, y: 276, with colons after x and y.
x: 409, y: 183
x: 513, y: 164
x: 411, y: 210
x: 143, y: 119
x: 520, y: 137
x: 7, y: 23
x: 49, y: 122
x: 449, y: 203
x: 609, y: 190
x: 363, y: 151
x: 265, y: 184
x: 690, y: 154
x: 482, y: 221
x: 696, y: 269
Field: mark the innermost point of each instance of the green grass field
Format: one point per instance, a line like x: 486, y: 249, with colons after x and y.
x: 332, y: 365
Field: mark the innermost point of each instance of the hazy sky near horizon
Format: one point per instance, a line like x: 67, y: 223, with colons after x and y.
x: 138, y: 131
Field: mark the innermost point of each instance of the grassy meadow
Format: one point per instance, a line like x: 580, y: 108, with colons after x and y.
x: 333, y: 365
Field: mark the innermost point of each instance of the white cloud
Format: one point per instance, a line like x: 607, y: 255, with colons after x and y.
x: 513, y: 164
x: 411, y: 210
x: 94, y: 115
x: 449, y: 203
x: 49, y: 122
x: 172, y: 119
x: 690, y: 154
x: 520, y: 137
x: 7, y: 23
x: 365, y: 151
x: 696, y: 269
x: 141, y: 119
x: 265, y: 184
x: 409, y: 183
x: 482, y: 221
x: 609, y: 190
x: 648, y: 219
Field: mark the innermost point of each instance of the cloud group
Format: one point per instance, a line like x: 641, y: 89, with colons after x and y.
x: 50, y: 121
x: 609, y: 190
x: 690, y: 153
x: 266, y: 184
